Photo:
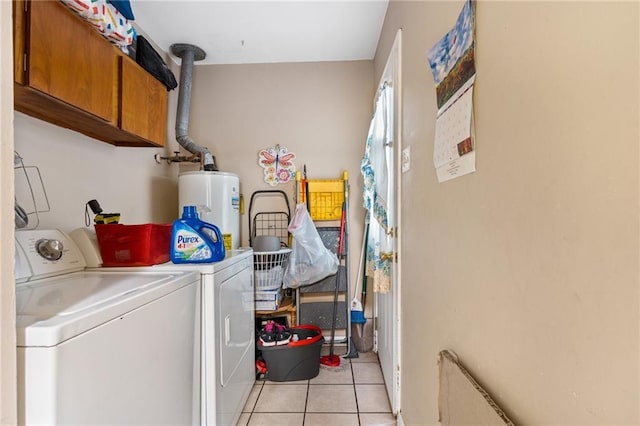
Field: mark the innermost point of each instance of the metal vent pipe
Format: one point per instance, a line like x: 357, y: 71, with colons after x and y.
x: 189, y: 54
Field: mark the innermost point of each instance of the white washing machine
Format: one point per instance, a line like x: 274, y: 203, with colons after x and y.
x: 228, y: 330
x: 103, y: 347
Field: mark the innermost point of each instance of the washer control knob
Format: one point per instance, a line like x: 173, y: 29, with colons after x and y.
x: 49, y: 249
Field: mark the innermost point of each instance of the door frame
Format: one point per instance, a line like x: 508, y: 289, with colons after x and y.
x: 8, y: 370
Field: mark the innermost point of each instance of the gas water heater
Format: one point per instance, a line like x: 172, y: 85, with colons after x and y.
x: 216, y: 196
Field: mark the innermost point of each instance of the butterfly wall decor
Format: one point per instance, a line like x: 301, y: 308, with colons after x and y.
x: 277, y: 163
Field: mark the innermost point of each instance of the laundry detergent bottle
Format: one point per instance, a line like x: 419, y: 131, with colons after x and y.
x: 195, y: 241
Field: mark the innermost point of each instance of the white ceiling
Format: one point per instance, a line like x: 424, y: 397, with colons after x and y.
x: 265, y: 31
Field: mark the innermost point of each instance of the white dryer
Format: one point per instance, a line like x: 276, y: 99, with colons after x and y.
x: 103, y: 347
x: 228, y: 336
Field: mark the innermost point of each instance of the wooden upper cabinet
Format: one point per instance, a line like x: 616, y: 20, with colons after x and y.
x: 143, y: 102
x: 66, y: 73
x: 71, y: 61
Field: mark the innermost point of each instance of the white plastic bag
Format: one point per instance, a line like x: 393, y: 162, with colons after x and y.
x: 310, y: 261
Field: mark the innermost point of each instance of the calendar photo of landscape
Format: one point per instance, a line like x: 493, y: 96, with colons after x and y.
x: 452, y: 60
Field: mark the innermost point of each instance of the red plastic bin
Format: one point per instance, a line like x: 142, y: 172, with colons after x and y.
x: 134, y: 245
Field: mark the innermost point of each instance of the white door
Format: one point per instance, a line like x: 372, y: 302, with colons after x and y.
x: 387, y: 304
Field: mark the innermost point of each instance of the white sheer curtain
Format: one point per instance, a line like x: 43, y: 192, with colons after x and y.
x: 376, y: 167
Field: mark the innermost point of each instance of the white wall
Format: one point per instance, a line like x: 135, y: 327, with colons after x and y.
x: 76, y: 169
x: 528, y: 268
x: 320, y: 111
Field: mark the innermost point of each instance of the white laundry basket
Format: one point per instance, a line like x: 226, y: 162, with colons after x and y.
x: 269, y: 268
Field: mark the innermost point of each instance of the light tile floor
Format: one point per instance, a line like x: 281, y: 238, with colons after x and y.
x: 352, y: 394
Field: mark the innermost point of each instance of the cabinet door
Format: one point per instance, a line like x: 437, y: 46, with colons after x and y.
x: 71, y: 62
x: 143, y: 103
x: 19, y: 24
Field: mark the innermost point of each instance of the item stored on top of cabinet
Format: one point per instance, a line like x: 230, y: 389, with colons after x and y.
x: 134, y: 245
x: 106, y: 19
x: 277, y: 163
x: 150, y: 60
x: 67, y: 74
x: 124, y: 7
x: 195, y: 241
